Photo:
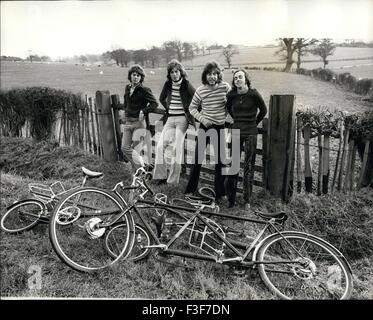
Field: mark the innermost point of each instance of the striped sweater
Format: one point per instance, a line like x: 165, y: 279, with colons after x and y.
x: 176, y: 105
x: 211, y: 103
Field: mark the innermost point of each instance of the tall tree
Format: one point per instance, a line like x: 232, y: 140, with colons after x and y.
x: 324, y: 49
x: 228, y: 52
x: 188, y: 51
x: 154, y: 55
x: 140, y: 56
x: 125, y: 57
x: 302, y: 47
x: 175, y: 47
x: 83, y: 59
x: 115, y: 55
x: 202, y: 46
x: 286, y: 51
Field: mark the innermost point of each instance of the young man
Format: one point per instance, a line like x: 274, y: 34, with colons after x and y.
x: 138, y: 102
x: 176, y: 96
x: 247, y: 108
x: 208, y: 107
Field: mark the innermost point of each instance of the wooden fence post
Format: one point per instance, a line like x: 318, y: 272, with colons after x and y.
x: 281, y: 141
x: 118, y: 135
x: 264, y: 150
x: 106, y: 126
x: 299, y: 155
x: 326, y: 169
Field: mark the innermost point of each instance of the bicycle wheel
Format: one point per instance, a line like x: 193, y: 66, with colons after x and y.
x: 76, y: 232
x: 297, y: 265
x: 142, y: 239
x: 22, y: 215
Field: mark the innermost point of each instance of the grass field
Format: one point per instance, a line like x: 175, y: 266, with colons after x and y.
x: 308, y: 92
x: 342, y: 219
x: 336, y: 216
x: 357, y: 61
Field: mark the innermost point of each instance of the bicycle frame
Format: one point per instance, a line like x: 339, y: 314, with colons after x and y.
x: 197, y: 214
x: 141, y: 204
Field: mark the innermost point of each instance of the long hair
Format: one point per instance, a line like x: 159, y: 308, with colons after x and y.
x: 209, y: 67
x: 175, y: 64
x: 247, y: 80
x: 136, y: 68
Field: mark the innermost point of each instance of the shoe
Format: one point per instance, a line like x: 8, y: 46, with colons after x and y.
x: 161, y: 181
x: 231, y: 204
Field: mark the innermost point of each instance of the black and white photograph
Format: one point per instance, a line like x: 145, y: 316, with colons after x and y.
x: 186, y: 155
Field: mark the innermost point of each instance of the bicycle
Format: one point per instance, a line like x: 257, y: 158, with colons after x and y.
x: 25, y: 214
x: 292, y: 264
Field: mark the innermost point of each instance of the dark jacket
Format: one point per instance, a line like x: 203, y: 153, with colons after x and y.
x: 244, y: 110
x: 186, y: 95
x: 142, y: 98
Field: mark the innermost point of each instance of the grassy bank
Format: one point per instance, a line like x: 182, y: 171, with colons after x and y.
x: 344, y: 220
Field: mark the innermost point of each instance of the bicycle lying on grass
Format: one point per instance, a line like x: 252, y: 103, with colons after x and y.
x: 27, y: 213
x: 92, y: 228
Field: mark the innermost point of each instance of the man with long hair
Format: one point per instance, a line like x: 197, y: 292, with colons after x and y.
x: 247, y: 108
x: 208, y: 107
x: 138, y: 102
x: 176, y: 95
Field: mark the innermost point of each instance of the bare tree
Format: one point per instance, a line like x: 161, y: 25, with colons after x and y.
x: 302, y: 47
x: 188, y: 51
x: 154, y: 55
x: 324, y: 49
x: 286, y: 51
x: 203, y: 45
x: 228, y: 52
x: 121, y: 56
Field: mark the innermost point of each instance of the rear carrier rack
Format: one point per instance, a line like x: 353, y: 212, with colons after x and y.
x: 46, y: 191
x: 203, y: 238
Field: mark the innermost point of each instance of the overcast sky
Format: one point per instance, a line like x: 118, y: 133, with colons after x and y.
x: 67, y: 28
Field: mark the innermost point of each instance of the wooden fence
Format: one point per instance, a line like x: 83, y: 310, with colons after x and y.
x: 285, y: 147
x: 327, y: 163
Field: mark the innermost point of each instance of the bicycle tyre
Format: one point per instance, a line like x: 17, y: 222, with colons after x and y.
x: 142, y: 239
x: 325, y: 275
x: 75, y: 233
x: 22, y: 215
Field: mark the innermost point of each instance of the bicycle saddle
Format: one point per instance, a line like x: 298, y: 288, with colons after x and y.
x: 269, y: 215
x: 92, y: 174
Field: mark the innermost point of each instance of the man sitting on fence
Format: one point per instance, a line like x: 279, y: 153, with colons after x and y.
x: 138, y: 102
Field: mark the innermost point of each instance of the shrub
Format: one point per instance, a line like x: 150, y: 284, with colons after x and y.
x: 38, y: 106
x: 363, y: 86
x: 303, y: 71
x: 342, y: 77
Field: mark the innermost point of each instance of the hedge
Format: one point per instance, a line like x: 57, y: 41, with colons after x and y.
x: 38, y: 106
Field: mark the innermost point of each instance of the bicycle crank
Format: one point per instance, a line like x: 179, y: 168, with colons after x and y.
x: 307, y: 269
